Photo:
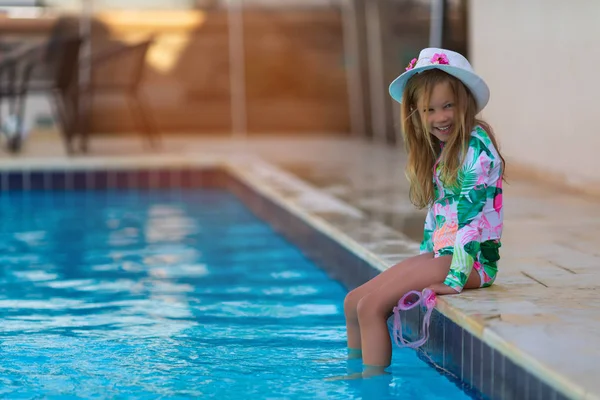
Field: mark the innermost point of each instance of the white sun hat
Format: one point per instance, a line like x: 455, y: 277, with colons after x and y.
x: 450, y: 62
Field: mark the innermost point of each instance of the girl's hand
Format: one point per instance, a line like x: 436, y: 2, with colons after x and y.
x: 441, y: 289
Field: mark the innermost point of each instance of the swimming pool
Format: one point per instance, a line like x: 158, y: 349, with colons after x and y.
x: 175, y: 294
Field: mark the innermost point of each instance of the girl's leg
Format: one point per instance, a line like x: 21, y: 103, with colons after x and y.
x: 375, y: 308
x: 395, y: 273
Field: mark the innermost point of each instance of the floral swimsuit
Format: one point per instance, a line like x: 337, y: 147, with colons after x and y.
x: 465, y: 220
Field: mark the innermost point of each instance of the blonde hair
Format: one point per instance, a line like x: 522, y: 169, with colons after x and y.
x: 422, y: 147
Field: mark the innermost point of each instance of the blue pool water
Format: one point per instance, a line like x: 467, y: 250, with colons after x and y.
x: 179, y: 294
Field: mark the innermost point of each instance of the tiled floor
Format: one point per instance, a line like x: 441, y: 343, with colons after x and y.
x: 543, y: 309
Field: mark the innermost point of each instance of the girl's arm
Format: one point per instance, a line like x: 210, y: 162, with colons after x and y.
x: 473, y: 178
x: 441, y: 289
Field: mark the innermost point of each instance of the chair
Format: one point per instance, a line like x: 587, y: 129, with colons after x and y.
x: 49, y: 66
x: 53, y: 66
x: 119, y: 69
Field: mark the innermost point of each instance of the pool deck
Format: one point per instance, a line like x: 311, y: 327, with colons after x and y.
x: 542, y: 312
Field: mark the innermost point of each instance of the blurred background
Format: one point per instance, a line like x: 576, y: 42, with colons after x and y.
x: 243, y: 68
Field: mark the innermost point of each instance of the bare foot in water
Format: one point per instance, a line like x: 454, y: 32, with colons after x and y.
x: 353, y: 354
x: 367, y: 372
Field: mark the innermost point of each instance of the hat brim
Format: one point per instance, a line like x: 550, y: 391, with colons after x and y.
x: 472, y: 81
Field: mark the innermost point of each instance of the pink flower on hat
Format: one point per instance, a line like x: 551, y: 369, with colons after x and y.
x: 439, y: 59
x: 411, y: 64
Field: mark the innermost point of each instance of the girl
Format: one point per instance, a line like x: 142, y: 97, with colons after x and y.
x: 455, y: 170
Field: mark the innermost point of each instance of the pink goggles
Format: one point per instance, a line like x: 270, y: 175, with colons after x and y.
x: 410, y: 300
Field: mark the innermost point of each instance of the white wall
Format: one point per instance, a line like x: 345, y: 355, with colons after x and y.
x: 541, y: 59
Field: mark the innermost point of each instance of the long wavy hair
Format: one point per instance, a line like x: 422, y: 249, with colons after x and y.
x: 423, y: 148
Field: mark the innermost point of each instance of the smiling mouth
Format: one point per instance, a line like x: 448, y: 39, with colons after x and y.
x: 443, y: 129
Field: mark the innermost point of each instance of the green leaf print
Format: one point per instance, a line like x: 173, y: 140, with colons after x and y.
x: 461, y: 262
x: 440, y: 220
x: 478, y: 194
x: 467, y: 177
x: 483, y: 135
x: 490, y: 252
x: 493, y: 191
x: 427, y: 234
x: 426, y: 244
x: 473, y: 196
x: 479, y: 147
x: 470, y: 206
x: 446, y: 251
x: 463, y: 278
x: 472, y: 248
x: 490, y: 270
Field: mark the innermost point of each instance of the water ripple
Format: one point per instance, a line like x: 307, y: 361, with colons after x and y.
x: 178, y: 294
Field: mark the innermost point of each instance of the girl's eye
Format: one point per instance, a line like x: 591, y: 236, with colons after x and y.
x: 449, y: 105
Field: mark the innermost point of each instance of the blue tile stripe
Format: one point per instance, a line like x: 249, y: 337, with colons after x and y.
x: 110, y: 179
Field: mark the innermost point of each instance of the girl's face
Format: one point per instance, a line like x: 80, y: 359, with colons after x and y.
x: 440, y: 111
